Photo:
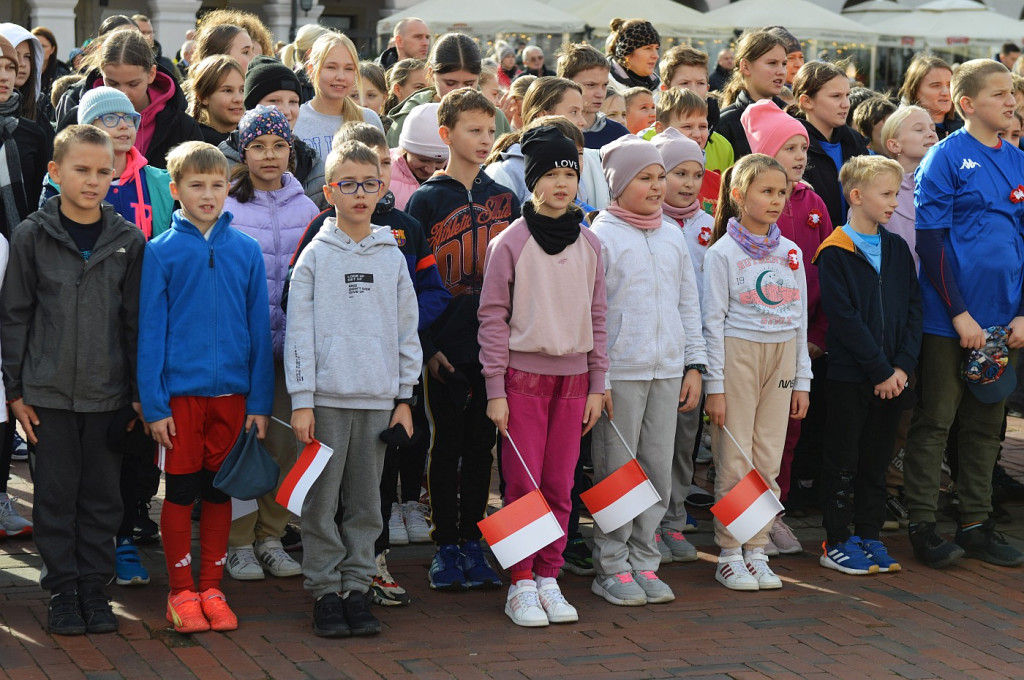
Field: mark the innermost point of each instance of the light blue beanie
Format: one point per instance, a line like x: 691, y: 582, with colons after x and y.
x: 102, y: 100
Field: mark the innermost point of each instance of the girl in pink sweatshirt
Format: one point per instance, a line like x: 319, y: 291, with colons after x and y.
x: 543, y: 348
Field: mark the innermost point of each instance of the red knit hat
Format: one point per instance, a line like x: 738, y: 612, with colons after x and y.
x: 768, y: 127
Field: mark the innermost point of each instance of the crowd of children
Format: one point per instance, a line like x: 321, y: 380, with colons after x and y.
x: 419, y: 262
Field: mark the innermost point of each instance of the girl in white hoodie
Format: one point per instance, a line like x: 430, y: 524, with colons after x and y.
x: 654, y: 340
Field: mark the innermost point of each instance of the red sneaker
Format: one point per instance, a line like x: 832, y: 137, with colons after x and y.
x: 217, y: 611
x: 186, y: 613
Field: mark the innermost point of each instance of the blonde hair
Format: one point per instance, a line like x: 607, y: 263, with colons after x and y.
x: 350, y: 111
x: 679, y: 101
x: 752, y: 46
x: 247, y: 21
x: 545, y: 94
x: 203, y: 80
x: 970, y: 78
x: 860, y: 171
x: 294, y: 53
x: 197, y: 158
x: 893, y: 123
x: 740, y: 176
x: 350, y: 150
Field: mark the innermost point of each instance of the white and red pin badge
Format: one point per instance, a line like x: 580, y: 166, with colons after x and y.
x: 794, y: 260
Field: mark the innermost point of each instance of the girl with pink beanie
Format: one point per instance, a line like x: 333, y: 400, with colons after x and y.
x: 805, y: 221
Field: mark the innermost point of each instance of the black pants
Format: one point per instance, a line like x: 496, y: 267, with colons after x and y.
x: 581, y: 482
x: 860, y: 433
x: 140, y: 477
x: 77, y: 509
x: 807, y: 454
x: 458, y: 493
x: 6, y: 450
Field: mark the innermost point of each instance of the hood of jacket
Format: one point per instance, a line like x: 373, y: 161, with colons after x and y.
x: 380, y: 238
x: 17, y: 35
x: 404, y: 108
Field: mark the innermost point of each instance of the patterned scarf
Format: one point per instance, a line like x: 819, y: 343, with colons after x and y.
x: 12, y: 184
x: 757, y: 247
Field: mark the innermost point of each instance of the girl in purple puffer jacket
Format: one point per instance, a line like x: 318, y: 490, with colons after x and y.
x: 269, y: 204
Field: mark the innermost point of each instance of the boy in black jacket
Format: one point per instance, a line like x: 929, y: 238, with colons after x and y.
x: 869, y: 292
x: 461, y: 209
x: 69, y: 328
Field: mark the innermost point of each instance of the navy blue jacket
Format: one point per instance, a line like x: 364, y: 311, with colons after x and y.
x: 204, y: 319
x: 874, y: 318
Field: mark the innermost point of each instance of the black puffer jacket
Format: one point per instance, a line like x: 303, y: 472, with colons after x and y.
x: 821, y: 172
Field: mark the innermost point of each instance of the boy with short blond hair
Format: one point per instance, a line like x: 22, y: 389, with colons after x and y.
x: 350, y: 369
x: 69, y: 371
x: 205, y: 372
x: 461, y: 210
x: 969, y: 211
x: 870, y: 294
x: 587, y: 67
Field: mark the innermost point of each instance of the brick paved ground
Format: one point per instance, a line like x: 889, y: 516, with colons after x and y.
x: 963, y: 622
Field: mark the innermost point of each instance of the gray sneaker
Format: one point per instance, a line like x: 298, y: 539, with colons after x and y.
x: 657, y: 591
x: 663, y: 549
x: 11, y: 523
x: 680, y: 549
x: 620, y: 589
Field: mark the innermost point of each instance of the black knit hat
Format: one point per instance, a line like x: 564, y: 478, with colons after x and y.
x: 544, y: 149
x: 266, y: 75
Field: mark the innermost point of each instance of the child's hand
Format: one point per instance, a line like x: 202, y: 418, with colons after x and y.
x: 689, y: 394
x: 714, y: 406
x: 1016, y: 339
x: 606, y: 403
x: 163, y: 431
x: 972, y: 336
x: 261, y: 423
x: 402, y: 415
x: 302, y: 424
x: 497, y: 411
x: 798, y: 404
x: 893, y: 387
x: 137, y: 407
x: 592, y: 411
x: 26, y: 415
x: 436, y: 363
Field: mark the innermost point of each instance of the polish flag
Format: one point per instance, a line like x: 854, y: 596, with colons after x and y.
x: 303, y: 475
x: 620, y: 496
x: 520, y: 529
x: 748, y: 507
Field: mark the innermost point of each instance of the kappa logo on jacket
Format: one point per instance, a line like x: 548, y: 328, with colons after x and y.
x: 969, y: 164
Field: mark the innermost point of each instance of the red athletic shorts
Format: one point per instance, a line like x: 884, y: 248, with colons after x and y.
x: 207, y: 428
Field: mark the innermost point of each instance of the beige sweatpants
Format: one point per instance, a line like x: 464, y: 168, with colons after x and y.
x: 758, y: 389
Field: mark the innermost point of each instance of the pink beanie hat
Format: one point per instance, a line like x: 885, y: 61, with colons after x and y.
x: 676, y: 148
x: 623, y: 160
x: 768, y: 127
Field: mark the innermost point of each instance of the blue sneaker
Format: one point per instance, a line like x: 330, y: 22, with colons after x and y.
x: 847, y: 557
x: 480, y: 574
x: 877, y: 553
x: 691, y: 525
x: 446, y: 569
x: 130, y: 571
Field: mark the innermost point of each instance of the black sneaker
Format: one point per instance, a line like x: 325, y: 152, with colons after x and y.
x: 895, y: 512
x: 579, y: 557
x: 146, y: 530
x: 932, y: 549
x: 988, y: 545
x: 63, y: 616
x: 96, y: 611
x: 361, y: 620
x: 292, y: 539
x: 329, y: 617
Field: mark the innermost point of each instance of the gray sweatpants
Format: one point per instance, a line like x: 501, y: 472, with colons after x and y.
x: 337, y: 559
x: 687, y: 425
x: 645, y: 413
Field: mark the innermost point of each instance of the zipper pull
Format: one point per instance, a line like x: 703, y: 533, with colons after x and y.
x: 211, y: 257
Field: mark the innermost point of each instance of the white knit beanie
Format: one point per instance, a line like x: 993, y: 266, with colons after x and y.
x: 420, y: 134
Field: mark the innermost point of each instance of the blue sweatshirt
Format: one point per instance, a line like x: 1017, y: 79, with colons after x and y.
x: 204, y: 320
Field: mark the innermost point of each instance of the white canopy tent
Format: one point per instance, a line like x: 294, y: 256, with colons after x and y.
x: 946, y: 23
x: 670, y: 18
x: 487, y: 18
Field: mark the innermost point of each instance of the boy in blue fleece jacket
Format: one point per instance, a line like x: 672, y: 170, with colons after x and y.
x: 205, y: 370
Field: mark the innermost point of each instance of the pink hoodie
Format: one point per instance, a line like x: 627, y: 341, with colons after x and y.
x: 403, y: 182
x: 160, y: 92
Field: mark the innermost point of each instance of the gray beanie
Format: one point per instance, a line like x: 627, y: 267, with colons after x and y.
x: 102, y: 100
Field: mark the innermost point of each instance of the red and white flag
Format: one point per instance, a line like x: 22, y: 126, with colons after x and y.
x: 303, y: 475
x: 748, y: 507
x: 521, y: 528
x: 620, y: 496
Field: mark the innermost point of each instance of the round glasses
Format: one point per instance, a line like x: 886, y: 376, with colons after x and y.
x: 370, y: 186
x: 276, y: 149
x: 113, y: 120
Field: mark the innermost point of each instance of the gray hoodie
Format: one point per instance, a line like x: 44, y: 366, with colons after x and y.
x: 352, y: 339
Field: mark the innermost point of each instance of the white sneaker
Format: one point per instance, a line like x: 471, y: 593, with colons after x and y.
x: 242, y: 564
x: 416, y: 525
x: 271, y: 554
x: 523, y: 605
x: 784, y: 539
x: 757, y: 565
x: 733, y: 573
x: 397, y: 535
x: 11, y: 523
x: 556, y: 607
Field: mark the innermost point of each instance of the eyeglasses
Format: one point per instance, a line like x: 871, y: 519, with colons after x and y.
x: 113, y: 120
x: 277, y: 149
x: 370, y: 186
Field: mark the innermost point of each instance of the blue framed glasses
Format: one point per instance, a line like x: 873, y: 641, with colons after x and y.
x: 113, y: 120
x: 370, y: 186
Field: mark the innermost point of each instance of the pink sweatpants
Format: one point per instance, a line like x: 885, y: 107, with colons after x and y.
x: 545, y: 420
